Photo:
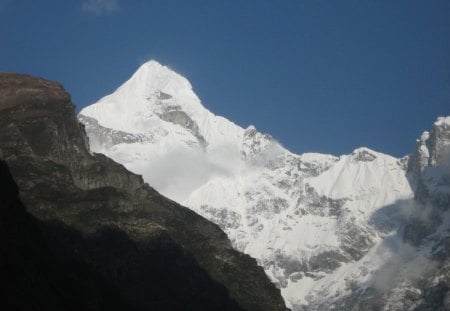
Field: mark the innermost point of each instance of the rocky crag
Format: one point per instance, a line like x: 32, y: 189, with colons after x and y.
x: 79, y: 231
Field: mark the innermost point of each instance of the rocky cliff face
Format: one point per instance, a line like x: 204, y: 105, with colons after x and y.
x: 98, y: 221
x: 428, y: 227
x: 32, y: 276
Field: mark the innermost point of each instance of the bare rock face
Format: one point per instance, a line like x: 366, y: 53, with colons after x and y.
x: 97, y: 219
x: 429, y: 225
x: 33, y: 277
x: 430, y: 168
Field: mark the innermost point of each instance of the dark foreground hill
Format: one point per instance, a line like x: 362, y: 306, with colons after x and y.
x: 80, y: 232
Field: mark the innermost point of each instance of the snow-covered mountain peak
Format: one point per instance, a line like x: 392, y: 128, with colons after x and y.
x: 318, y: 223
x: 152, y: 77
x: 152, y: 95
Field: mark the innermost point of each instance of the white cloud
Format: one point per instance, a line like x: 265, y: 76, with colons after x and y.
x: 406, y: 266
x: 180, y: 171
x: 101, y: 6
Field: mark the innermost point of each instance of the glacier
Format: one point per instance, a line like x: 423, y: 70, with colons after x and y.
x: 322, y: 226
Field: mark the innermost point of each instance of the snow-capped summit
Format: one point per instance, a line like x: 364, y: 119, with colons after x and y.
x: 157, y: 101
x: 158, y: 116
x: 316, y: 223
x: 134, y: 105
x: 152, y: 76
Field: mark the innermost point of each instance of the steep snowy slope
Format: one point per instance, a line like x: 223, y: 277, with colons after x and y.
x: 320, y: 225
x: 156, y: 125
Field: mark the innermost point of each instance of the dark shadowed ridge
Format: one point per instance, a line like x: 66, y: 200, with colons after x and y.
x: 91, y: 235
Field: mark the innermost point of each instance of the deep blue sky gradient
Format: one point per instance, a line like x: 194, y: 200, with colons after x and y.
x: 319, y: 76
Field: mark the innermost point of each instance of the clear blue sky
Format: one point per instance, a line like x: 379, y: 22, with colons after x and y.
x: 323, y: 76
